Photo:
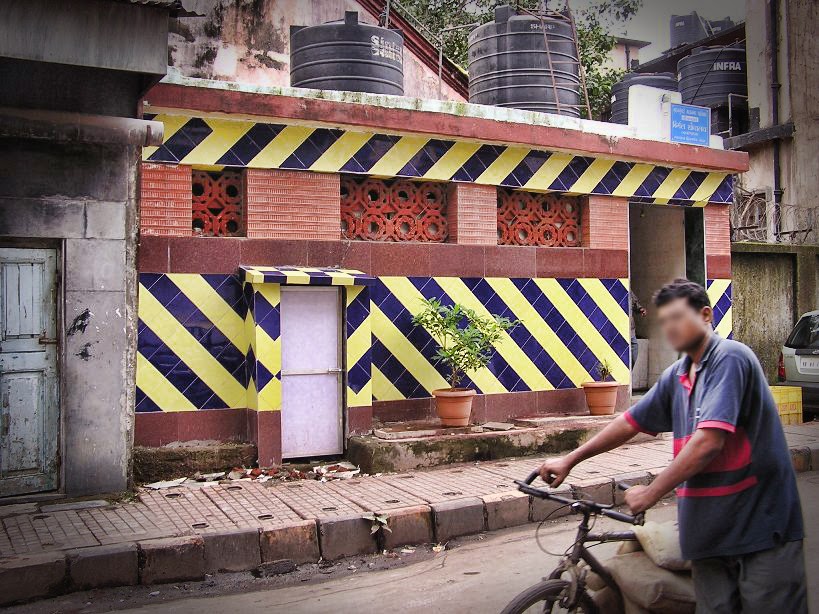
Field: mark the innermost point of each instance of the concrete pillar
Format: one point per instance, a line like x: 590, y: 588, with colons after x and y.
x: 604, y: 223
x: 472, y: 214
x: 717, y: 223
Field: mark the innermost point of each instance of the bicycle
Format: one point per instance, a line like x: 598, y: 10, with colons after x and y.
x: 566, y: 585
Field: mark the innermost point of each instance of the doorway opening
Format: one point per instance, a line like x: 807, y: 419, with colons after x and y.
x: 666, y: 242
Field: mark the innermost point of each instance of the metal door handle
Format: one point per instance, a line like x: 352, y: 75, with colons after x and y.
x: 314, y: 371
x: 43, y: 340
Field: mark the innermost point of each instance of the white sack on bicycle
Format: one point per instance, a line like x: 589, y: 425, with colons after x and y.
x: 661, y: 542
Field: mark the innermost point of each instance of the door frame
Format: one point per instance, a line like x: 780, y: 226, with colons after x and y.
x: 58, y: 245
x: 342, y: 349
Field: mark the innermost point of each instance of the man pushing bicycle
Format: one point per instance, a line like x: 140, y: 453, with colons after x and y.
x: 738, y: 506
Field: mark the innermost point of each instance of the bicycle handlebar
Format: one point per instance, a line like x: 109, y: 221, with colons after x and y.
x: 598, y: 508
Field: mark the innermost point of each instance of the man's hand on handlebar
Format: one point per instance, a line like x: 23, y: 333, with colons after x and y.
x: 554, y: 471
x: 640, y: 498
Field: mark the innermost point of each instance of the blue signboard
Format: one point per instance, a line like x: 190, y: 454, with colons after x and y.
x: 690, y: 124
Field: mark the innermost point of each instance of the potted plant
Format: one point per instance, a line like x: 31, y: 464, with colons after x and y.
x: 601, y: 396
x: 466, y: 343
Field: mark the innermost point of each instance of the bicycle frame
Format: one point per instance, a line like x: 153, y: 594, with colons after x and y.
x: 581, y: 553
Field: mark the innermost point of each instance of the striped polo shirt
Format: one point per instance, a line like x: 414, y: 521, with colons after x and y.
x: 746, y: 499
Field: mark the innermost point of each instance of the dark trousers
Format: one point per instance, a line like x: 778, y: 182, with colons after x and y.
x: 770, y: 582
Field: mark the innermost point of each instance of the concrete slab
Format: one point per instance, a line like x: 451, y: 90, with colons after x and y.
x: 75, y: 505
x: 460, y: 517
x: 171, y: 559
x: 504, y: 510
x: 297, y: 540
x: 375, y: 455
x: 408, y: 526
x: 409, y: 430
x: 541, y: 509
x: 113, y: 565
x: 234, y: 550
x: 599, y: 490
x: 346, y: 536
x: 31, y: 576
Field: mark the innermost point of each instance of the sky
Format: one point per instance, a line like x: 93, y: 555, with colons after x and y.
x: 651, y: 23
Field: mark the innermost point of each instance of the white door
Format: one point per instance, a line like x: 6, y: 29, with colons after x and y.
x: 311, y: 372
x: 29, y: 405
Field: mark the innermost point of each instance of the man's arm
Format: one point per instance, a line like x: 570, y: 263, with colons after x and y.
x: 703, y: 447
x: 616, y: 433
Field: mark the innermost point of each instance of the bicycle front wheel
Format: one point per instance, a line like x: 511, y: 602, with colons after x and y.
x: 545, y: 598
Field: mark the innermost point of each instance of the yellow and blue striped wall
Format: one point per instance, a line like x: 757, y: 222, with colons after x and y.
x: 217, y: 142
x: 212, y: 341
x: 719, y: 291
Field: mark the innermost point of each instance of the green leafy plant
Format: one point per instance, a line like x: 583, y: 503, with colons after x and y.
x: 466, y: 340
x: 603, y: 371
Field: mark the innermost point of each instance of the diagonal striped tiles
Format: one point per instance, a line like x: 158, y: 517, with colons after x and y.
x: 567, y: 327
x: 719, y: 291
x: 218, y: 142
x: 191, y: 349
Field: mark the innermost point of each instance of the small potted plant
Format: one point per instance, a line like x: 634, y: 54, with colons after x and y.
x: 601, y: 396
x: 466, y: 343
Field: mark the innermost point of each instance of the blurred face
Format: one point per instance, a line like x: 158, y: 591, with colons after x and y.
x: 683, y: 326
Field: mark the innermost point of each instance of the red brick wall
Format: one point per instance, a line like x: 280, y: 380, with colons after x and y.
x: 165, y: 200
x: 292, y: 205
x: 604, y: 223
x: 472, y: 214
x: 717, y: 222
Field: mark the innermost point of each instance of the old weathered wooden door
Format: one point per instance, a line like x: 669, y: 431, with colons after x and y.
x: 311, y: 372
x: 29, y: 397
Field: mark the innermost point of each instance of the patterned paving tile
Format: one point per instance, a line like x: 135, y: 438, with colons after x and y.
x: 251, y: 505
x: 374, y: 494
x: 188, y: 510
x: 315, y: 500
x: 450, y: 484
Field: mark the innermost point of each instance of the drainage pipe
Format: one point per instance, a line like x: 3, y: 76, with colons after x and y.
x: 773, y: 45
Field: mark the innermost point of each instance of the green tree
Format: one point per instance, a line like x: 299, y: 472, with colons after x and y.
x: 594, y: 25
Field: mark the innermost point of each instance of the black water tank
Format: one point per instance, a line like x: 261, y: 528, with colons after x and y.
x: 708, y: 76
x: 686, y: 29
x: 509, y: 66
x: 720, y: 25
x: 347, y: 56
x: 619, y: 92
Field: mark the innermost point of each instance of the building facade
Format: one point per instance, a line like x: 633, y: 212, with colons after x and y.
x: 288, y: 236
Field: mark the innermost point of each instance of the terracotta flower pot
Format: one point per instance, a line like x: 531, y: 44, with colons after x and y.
x: 601, y: 397
x: 454, y: 405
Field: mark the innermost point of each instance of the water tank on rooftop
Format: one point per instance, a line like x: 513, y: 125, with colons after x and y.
x: 720, y: 25
x: 619, y: 92
x: 510, y: 67
x: 716, y: 77
x: 347, y: 56
x: 686, y: 29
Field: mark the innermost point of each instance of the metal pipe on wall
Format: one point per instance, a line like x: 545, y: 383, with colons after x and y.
x: 773, y: 45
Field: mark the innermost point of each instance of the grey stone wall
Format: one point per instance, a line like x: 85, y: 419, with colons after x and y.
x: 81, y: 198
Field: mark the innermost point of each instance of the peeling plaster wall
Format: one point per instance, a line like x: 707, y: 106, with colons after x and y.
x: 798, y: 98
x: 248, y: 41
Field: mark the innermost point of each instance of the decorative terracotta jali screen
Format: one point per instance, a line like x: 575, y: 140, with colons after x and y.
x: 217, y: 203
x: 375, y: 210
x: 528, y: 218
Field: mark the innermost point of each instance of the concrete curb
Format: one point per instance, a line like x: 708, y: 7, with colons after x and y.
x: 190, y: 557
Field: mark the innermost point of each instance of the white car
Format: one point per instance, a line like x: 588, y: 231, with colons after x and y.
x: 799, y: 362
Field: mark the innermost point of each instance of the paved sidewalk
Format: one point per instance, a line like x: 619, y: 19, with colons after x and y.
x: 182, y: 533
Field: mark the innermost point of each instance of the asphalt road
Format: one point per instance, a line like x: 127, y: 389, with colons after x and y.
x: 481, y: 574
